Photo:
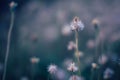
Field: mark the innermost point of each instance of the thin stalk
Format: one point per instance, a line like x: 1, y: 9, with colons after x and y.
x: 92, y: 74
x: 77, y: 50
x: 96, y: 50
x: 8, y: 44
x: 102, y: 45
x: 33, y: 71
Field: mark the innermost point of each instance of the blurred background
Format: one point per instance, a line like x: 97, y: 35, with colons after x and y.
x: 41, y: 31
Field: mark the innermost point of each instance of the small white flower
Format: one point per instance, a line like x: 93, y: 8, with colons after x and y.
x: 77, y: 24
x: 94, y: 65
x: 13, y: 5
x: 75, y: 77
x: 108, y: 73
x: 60, y: 74
x: 103, y: 59
x: 52, y: 69
x: 66, y: 30
x: 72, y: 67
x: 79, y: 54
x: 71, y: 45
x: 34, y: 60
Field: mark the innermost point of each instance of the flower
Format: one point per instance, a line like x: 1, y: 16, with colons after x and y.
x: 13, y: 5
x: 71, y: 45
x: 34, y: 60
x: 66, y: 30
x: 72, y: 67
x: 90, y: 44
x: 103, y: 59
x: 79, y: 54
x: 108, y: 73
x: 60, y: 74
x: 77, y: 24
x: 75, y: 77
x: 94, y: 65
x: 52, y: 69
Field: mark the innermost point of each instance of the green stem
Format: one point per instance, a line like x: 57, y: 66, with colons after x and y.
x: 77, y: 50
x: 8, y: 44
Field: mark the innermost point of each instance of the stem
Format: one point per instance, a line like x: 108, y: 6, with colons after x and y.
x: 96, y: 48
x: 8, y: 44
x: 76, y: 50
x: 48, y: 77
x: 32, y: 71
x: 92, y: 74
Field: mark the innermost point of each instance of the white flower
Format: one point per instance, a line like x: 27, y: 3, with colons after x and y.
x: 108, y: 73
x: 79, y: 54
x: 77, y: 24
x: 34, y: 60
x: 72, y: 67
x: 13, y: 5
x: 75, y: 77
x: 71, y: 45
x: 66, y: 30
x: 103, y: 59
x: 60, y: 74
x: 52, y: 69
x: 94, y: 65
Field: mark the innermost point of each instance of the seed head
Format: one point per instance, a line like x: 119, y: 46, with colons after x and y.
x: 95, y: 23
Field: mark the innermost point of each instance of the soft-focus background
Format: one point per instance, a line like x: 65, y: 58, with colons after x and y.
x: 41, y: 30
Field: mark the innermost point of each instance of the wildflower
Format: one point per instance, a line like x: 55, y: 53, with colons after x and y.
x: 72, y: 67
x: 79, y: 54
x: 75, y: 77
x: 103, y: 59
x: 71, y: 45
x: 108, y: 73
x: 34, y: 60
x: 52, y: 69
x: 66, y: 30
x: 94, y: 65
x: 66, y: 62
x: 77, y: 24
x: 60, y: 74
x: 90, y: 44
x: 13, y: 5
